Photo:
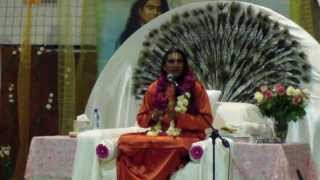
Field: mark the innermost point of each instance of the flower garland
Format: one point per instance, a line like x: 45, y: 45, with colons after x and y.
x: 182, y: 104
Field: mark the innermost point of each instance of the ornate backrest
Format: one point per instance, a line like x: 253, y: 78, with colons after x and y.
x: 233, y: 47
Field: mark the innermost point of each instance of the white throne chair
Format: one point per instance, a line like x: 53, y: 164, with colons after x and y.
x: 112, y: 108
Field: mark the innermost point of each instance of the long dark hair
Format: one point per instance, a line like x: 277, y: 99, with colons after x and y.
x: 186, y: 80
x: 133, y: 22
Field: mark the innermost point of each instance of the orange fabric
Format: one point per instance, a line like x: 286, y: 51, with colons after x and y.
x: 185, y: 121
x: 143, y: 157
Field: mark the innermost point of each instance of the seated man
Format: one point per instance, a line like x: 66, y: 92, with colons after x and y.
x: 177, y: 109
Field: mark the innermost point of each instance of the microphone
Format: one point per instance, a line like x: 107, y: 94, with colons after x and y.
x: 170, y: 78
x: 215, y: 134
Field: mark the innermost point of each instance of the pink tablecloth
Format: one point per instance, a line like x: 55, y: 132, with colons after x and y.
x: 272, y: 162
x: 51, y: 157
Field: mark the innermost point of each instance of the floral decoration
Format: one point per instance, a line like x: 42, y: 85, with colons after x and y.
x: 281, y: 103
x: 102, y: 151
x: 196, y: 152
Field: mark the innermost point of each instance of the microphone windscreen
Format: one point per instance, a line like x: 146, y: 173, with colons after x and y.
x: 170, y: 77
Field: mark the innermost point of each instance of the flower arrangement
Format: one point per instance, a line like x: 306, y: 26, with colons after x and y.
x: 285, y: 104
x: 282, y: 104
x: 5, y: 161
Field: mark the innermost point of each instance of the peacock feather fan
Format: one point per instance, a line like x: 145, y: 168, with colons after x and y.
x: 232, y: 47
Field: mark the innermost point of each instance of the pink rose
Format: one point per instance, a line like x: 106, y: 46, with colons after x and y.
x: 280, y: 89
x: 296, y: 100
x: 267, y: 94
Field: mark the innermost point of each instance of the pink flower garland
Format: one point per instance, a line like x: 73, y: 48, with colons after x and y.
x: 185, y: 85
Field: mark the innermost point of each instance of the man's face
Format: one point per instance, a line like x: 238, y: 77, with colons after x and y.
x: 174, y: 64
x: 150, y: 10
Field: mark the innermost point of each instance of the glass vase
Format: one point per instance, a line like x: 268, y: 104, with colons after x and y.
x: 280, y: 130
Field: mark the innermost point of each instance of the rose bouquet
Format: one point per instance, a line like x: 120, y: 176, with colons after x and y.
x: 283, y: 104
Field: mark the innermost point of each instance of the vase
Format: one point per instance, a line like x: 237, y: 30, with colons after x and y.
x: 280, y: 130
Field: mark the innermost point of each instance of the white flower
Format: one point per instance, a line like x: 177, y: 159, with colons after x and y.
x: 179, y: 103
x: 50, y: 100
x: 185, y: 102
x: 297, y: 92
x: 152, y: 133
x: 51, y: 94
x: 179, y: 98
x: 39, y: 52
x: 258, y: 96
x: 41, y: 48
x: 48, y: 106
x: 184, y: 109
x: 290, y: 91
x: 182, y: 103
x: 177, y: 109
x: 10, y: 95
x: 14, y: 52
x: 172, y: 131
x: 155, y: 130
x: 306, y: 91
x: 1, y: 154
x: 10, y: 88
x: 6, y: 152
x: 11, y: 100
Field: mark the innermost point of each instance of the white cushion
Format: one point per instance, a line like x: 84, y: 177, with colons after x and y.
x: 214, y: 96
x: 244, y: 117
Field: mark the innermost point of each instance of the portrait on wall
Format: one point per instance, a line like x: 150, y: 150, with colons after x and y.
x: 118, y: 19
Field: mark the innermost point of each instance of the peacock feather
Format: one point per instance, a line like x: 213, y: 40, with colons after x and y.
x: 232, y: 47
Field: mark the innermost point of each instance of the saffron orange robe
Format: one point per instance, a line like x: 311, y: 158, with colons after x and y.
x: 143, y: 157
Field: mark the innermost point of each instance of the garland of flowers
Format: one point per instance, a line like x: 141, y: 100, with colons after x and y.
x: 183, y: 90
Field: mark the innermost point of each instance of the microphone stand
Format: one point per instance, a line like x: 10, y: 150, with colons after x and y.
x: 214, y: 135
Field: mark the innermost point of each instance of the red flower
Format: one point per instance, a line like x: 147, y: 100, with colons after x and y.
x: 267, y: 94
x: 280, y: 89
x: 296, y: 100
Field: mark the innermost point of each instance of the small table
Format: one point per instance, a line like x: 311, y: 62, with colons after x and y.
x: 51, y: 157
